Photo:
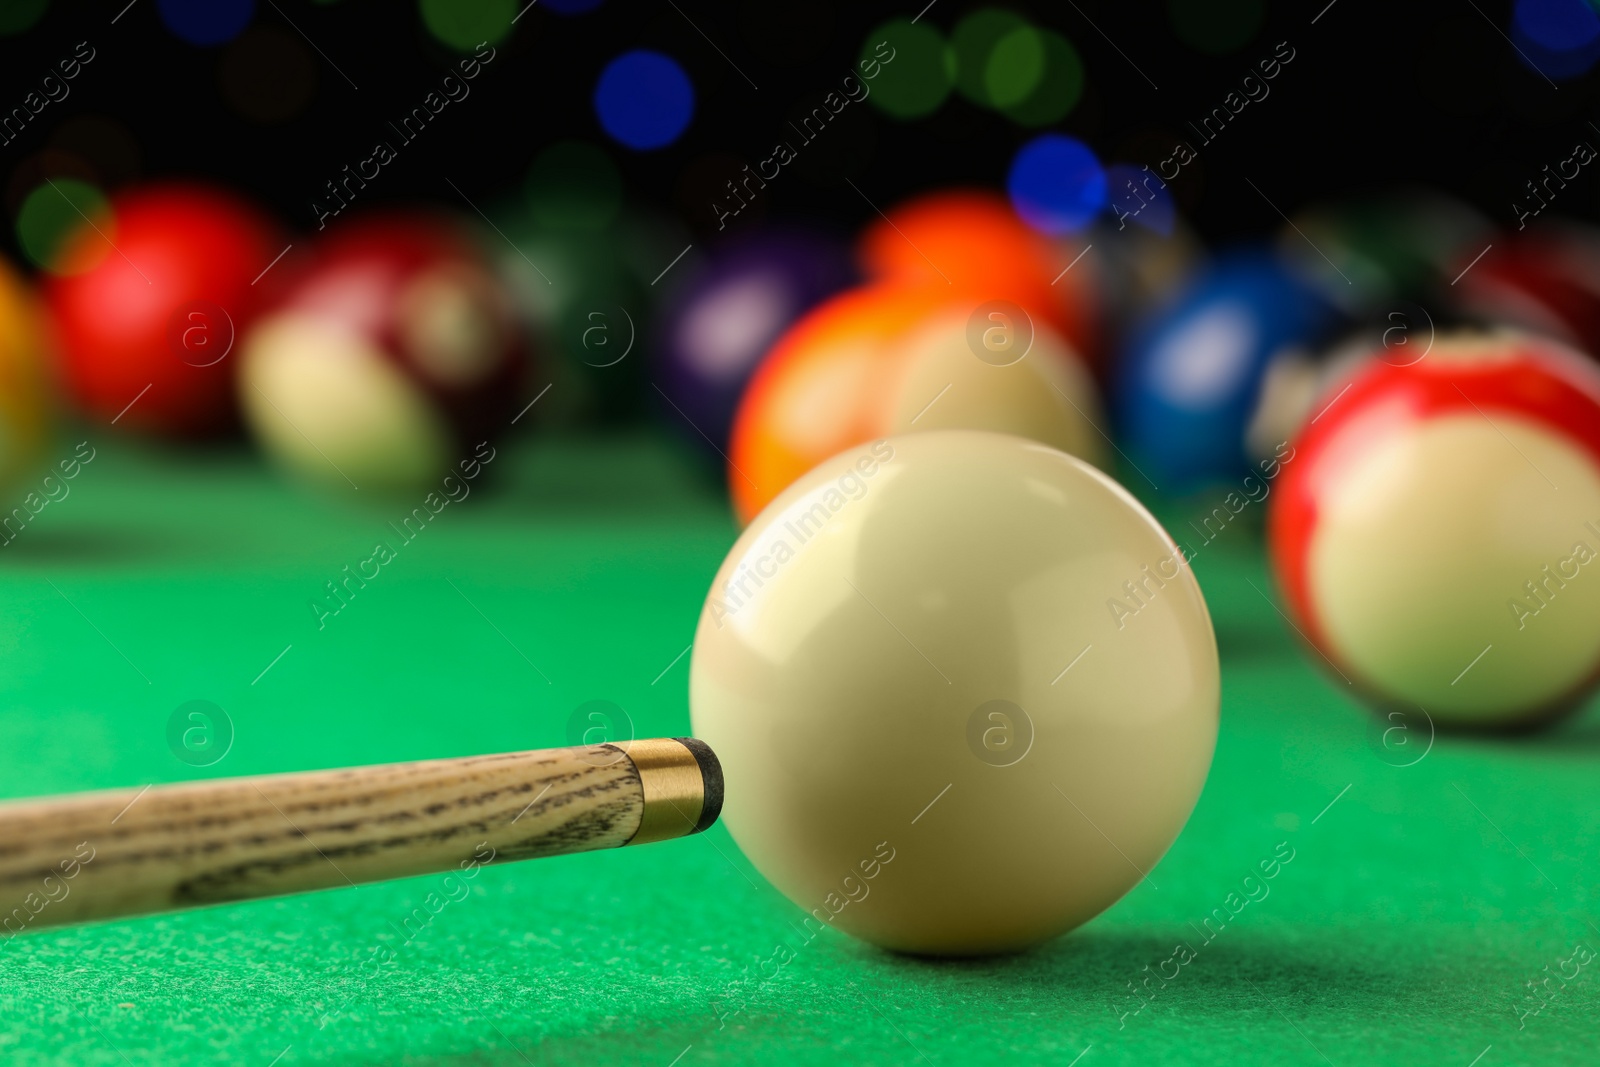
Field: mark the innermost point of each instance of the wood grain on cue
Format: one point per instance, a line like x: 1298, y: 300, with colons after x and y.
x: 131, y: 852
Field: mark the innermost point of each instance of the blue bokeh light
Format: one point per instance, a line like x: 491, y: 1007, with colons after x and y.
x: 1557, y: 38
x: 644, y: 99
x: 1139, y: 195
x: 206, y: 22
x: 1056, y: 184
x: 1557, y: 25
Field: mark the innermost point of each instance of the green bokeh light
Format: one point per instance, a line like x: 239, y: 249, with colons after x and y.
x: 974, y: 41
x: 1216, y: 26
x: 1059, y: 88
x: 464, y: 24
x: 1015, y: 67
x: 51, y: 213
x: 918, y: 77
x: 19, y: 15
x: 574, y: 187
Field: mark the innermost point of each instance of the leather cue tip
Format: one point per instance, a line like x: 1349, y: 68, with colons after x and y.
x: 681, y: 780
x: 710, y: 776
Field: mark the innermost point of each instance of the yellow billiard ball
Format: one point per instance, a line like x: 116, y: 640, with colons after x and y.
x: 26, y: 401
x: 964, y: 689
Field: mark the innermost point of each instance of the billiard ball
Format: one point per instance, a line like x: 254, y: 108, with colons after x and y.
x: 586, y: 302
x: 1432, y: 530
x: 973, y: 244
x: 725, y: 317
x: 1546, y: 280
x: 392, y: 354
x: 1381, y: 251
x: 147, y: 302
x: 584, y: 309
x: 885, y: 359
x: 964, y: 690
x: 1191, y: 376
x: 27, y: 403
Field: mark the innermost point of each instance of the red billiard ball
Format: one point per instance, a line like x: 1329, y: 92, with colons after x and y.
x: 1436, y: 527
x: 391, y: 355
x: 148, y: 301
x: 1547, y: 280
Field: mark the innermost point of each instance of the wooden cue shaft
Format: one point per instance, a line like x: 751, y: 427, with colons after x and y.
x: 132, y: 852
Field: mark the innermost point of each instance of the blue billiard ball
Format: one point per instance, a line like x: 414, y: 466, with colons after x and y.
x: 1190, y: 378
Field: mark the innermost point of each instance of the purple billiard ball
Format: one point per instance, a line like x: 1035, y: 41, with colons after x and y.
x: 721, y: 322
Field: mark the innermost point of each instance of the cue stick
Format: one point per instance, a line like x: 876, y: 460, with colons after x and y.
x: 131, y: 852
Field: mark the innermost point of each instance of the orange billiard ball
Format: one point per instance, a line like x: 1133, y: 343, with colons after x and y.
x: 973, y: 244
x: 895, y: 358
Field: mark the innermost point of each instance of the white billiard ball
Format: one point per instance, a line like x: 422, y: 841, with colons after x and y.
x: 964, y: 689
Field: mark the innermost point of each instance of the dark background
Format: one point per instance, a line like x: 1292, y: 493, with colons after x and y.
x: 1378, y: 93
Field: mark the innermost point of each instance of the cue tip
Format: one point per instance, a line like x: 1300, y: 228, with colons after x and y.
x: 711, y: 776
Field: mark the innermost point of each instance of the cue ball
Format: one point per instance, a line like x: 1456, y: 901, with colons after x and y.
x: 938, y: 732
x: 1435, y: 527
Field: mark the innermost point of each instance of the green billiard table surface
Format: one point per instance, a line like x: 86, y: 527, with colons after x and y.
x: 1436, y: 906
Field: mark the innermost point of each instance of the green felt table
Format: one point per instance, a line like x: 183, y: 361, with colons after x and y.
x: 1419, y: 903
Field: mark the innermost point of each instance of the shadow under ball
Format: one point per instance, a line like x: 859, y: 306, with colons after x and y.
x: 939, y: 734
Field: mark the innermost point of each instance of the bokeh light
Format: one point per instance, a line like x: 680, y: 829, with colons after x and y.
x: 1559, y: 38
x: 267, y: 75
x: 973, y: 42
x: 644, y: 99
x: 1060, y: 88
x: 1138, y: 195
x: 206, y: 22
x: 464, y: 24
x: 1558, y: 25
x: 918, y: 77
x: 19, y: 15
x: 1015, y: 67
x: 573, y: 186
x: 51, y: 213
x: 1216, y: 26
x: 1056, y: 184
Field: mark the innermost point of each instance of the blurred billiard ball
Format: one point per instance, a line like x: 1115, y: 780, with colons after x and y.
x: 725, y: 317
x: 1378, y: 252
x: 27, y: 401
x: 972, y: 243
x: 1192, y: 375
x: 390, y: 356
x: 888, y: 359
x: 1434, y: 530
x: 148, y: 300
x: 1546, y: 280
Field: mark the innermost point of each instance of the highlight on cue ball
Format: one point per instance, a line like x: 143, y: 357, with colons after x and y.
x: 937, y: 732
